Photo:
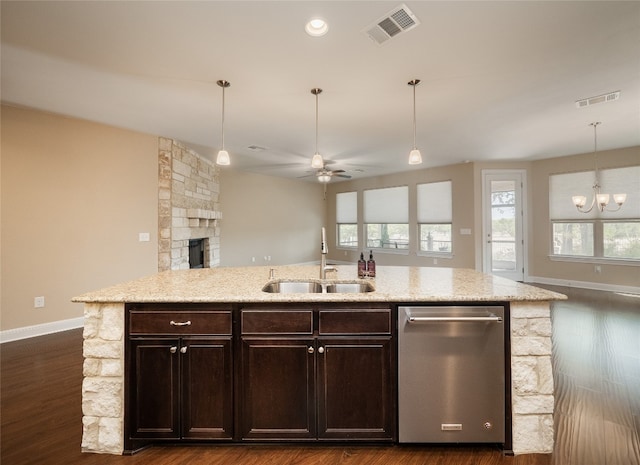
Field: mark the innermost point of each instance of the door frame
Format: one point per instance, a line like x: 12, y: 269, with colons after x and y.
x: 487, y: 176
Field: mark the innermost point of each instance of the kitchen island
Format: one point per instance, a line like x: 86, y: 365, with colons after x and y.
x: 108, y: 333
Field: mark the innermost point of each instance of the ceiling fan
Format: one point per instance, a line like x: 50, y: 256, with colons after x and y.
x: 324, y: 174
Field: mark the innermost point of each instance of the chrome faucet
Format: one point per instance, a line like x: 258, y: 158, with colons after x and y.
x: 323, y: 256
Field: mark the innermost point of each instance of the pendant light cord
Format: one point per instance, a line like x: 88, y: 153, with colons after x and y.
x: 414, y: 114
x: 223, y: 117
x: 317, y: 122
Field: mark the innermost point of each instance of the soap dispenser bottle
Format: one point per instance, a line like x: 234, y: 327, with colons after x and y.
x: 362, y: 266
x: 371, y: 265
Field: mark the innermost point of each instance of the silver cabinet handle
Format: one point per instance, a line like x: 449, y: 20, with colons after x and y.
x: 310, y: 350
x: 183, y: 349
x: 173, y: 349
x: 180, y: 323
x: 448, y: 319
x: 321, y: 350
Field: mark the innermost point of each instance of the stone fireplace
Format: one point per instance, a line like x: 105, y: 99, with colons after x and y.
x: 188, y: 206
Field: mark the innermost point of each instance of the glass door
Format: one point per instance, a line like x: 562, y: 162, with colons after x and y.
x: 503, y: 218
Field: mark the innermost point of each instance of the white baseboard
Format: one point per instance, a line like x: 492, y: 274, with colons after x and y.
x: 584, y: 285
x: 40, y: 330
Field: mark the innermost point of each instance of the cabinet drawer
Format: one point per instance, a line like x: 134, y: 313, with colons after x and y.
x: 172, y: 322
x: 361, y: 321
x: 277, y: 322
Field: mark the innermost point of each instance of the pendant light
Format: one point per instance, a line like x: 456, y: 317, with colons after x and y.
x: 415, y: 158
x: 223, y: 155
x: 602, y: 200
x: 317, y: 162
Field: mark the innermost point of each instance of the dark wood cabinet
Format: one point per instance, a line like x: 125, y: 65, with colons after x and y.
x: 321, y: 374
x: 180, y: 375
x: 263, y: 373
x: 355, y: 389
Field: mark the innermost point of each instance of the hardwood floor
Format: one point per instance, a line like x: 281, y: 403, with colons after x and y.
x: 596, y: 358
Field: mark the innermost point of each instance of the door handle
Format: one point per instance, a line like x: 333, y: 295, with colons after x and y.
x: 310, y: 350
x: 173, y: 349
x: 321, y: 350
x: 183, y: 349
x: 453, y: 319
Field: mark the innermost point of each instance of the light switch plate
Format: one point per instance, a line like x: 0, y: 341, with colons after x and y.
x: 143, y: 237
x: 465, y: 231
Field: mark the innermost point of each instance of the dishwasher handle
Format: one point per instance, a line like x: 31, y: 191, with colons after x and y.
x: 453, y: 319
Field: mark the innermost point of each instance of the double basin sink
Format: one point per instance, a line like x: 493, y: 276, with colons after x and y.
x: 317, y: 287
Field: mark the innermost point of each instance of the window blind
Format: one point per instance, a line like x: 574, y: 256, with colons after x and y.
x: 347, y: 207
x: 386, y: 206
x: 434, y: 202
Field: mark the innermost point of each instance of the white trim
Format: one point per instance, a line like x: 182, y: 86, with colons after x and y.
x: 584, y: 285
x: 595, y: 260
x: 25, y: 332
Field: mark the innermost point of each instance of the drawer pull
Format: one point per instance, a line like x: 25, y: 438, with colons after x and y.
x: 180, y: 323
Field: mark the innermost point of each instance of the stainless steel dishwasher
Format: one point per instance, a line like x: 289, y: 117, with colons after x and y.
x: 451, y: 374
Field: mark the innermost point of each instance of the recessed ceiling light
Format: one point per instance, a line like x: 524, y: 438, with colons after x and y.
x: 316, y: 27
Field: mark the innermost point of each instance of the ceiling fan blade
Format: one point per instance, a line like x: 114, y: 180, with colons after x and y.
x: 346, y: 176
x: 337, y: 171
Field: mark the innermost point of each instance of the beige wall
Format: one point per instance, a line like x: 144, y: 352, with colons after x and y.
x: 75, y: 195
x: 269, y: 216
x: 462, y: 177
x: 540, y: 263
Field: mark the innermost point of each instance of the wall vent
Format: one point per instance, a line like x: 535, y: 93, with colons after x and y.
x: 396, y: 22
x: 604, y: 98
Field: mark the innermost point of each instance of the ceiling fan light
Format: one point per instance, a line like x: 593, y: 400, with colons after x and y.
x: 324, y: 178
x: 317, y: 162
x: 223, y: 158
x: 415, y: 157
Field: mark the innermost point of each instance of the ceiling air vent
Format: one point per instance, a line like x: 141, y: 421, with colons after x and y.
x: 604, y: 98
x: 396, y: 22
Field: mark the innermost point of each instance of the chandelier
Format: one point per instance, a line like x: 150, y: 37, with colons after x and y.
x: 602, y: 200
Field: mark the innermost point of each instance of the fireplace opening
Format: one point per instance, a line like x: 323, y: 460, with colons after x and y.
x: 196, y: 253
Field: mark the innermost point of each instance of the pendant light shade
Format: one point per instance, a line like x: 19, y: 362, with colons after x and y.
x: 415, y: 157
x: 223, y: 155
x: 316, y: 161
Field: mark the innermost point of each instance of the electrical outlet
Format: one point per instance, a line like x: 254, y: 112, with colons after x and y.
x: 144, y: 237
x: 38, y: 302
x: 435, y: 261
x: 598, y: 269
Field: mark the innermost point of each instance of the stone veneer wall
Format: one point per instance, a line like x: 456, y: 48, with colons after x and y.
x: 532, y: 379
x: 188, y: 205
x: 103, y: 385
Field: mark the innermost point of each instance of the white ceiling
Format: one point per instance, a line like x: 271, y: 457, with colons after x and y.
x: 499, y: 79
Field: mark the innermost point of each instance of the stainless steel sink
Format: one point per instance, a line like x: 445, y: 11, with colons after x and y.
x: 349, y: 288
x: 293, y: 287
x: 317, y: 287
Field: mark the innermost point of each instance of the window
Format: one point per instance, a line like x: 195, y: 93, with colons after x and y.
x: 386, y: 218
x: 613, y: 235
x: 573, y: 239
x: 435, y: 217
x: 622, y: 239
x: 347, y: 219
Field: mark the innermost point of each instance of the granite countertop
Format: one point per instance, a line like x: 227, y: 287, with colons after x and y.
x: 392, y: 284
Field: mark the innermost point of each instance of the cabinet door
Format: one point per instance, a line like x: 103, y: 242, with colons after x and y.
x: 207, y: 390
x: 154, y: 391
x: 278, y: 398
x: 355, y: 389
